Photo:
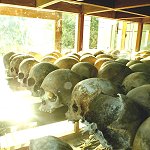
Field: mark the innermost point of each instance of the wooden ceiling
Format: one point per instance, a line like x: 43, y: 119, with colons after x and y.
x: 134, y: 10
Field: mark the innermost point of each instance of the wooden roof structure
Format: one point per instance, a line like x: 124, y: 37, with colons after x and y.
x: 132, y: 10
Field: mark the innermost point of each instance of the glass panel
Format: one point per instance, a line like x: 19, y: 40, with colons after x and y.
x: 145, y: 42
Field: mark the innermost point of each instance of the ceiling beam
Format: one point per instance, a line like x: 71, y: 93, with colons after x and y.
x: 140, y: 10
x: 108, y: 14
x: 125, y: 4
x: 30, y: 3
x: 46, y: 3
x: 121, y: 15
x: 67, y: 7
x: 11, y: 10
x: 88, y: 9
x: 146, y: 20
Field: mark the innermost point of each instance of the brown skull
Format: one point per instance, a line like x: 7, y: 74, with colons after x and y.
x: 84, y: 92
x: 36, y: 76
x: 58, y: 86
x: 134, y: 80
x: 24, y: 69
x: 15, y: 62
x: 142, y: 138
x: 85, y: 70
x: 65, y: 62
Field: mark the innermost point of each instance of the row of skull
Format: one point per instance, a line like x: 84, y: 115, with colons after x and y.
x: 115, y: 97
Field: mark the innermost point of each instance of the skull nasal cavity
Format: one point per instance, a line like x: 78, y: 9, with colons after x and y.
x: 74, y: 107
x: 20, y: 75
x: 31, y: 82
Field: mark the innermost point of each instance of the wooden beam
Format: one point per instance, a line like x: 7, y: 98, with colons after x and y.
x: 146, y: 20
x: 123, y: 37
x: 88, y: 9
x: 80, y: 32
x: 58, y: 31
x: 139, y: 36
x: 30, y: 3
x: 124, y: 4
x: 140, y: 10
x: 108, y: 14
x: 101, y: 3
x: 26, y: 12
x: 46, y: 3
x: 61, y: 6
x: 120, y: 15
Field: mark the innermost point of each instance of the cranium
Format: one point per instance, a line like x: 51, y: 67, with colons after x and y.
x: 134, y: 80
x: 104, y: 56
x: 49, y: 143
x: 58, y: 86
x: 88, y: 58
x: 141, y: 96
x: 132, y: 62
x: 85, y: 70
x: 6, y: 58
x: 140, y: 67
x: 24, y: 69
x: 122, y: 60
x: 84, y: 92
x: 36, y: 55
x: 50, y: 59
x: 100, y: 61
x: 36, y: 76
x: 56, y: 54
x: 65, y: 62
x: 142, y: 138
x: 98, y: 52
x: 15, y: 62
x: 115, y: 72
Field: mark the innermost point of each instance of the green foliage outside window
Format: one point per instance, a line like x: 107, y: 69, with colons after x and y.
x: 93, y: 33
x: 68, y: 30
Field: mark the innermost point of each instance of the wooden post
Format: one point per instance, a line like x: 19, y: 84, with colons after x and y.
x: 58, y: 31
x: 80, y: 32
x: 76, y: 127
x: 123, y: 35
x: 139, y: 36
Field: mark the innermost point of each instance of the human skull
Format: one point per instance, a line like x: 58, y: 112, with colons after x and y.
x: 36, y: 76
x: 115, y: 72
x: 84, y: 92
x: 65, y: 62
x: 142, y: 138
x: 104, y: 56
x: 36, y: 55
x: 134, y: 80
x: 122, y: 60
x: 140, y: 67
x: 132, y: 62
x: 85, y: 70
x: 24, y: 69
x: 100, y: 61
x: 6, y: 58
x: 15, y: 62
x: 50, y: 59
x: 88, y: 58
x: 58, y: 86
x: 49, y: 143
x: 141, y: 96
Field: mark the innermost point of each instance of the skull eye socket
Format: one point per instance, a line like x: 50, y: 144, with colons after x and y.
x: 20, y: 75
x: 52, y: 97
x: 74, y: 107
x: 31, y: 82
x: 43, y: 102
x: 12, y: 69
x: 25, y: 80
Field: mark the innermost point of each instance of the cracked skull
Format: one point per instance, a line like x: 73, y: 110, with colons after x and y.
x: 58, y: 86
x: 84, y: 92
x: 36, y: 76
